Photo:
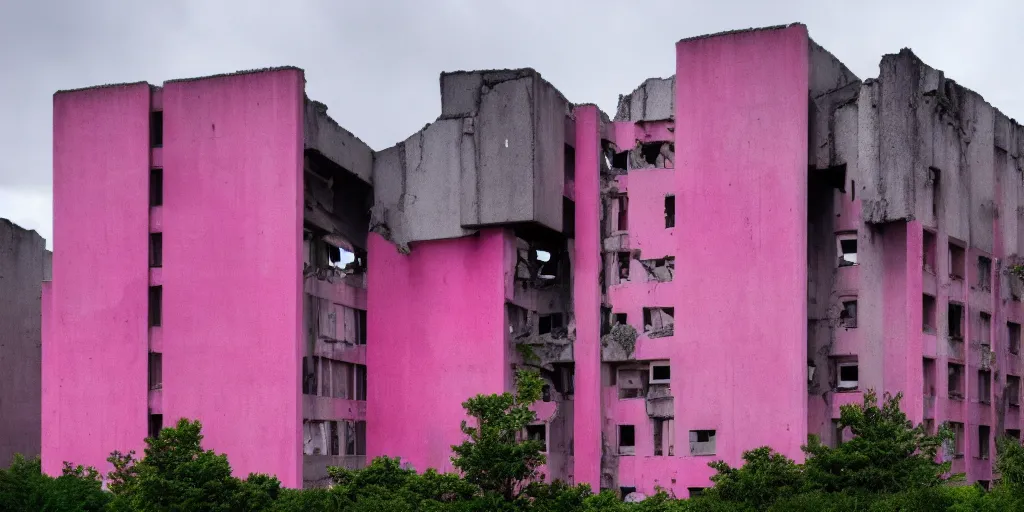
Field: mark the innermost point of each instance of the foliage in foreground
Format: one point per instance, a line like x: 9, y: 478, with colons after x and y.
x: 889, y: 465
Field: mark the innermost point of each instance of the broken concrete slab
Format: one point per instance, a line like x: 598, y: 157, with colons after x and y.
x: 653, y: 100
x: 327, y: 137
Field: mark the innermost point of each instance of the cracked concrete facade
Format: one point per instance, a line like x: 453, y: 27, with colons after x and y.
x: 665, y: 284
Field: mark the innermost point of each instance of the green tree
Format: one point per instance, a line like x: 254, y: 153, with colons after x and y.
x: 496, y: 457
x: 764, y: 477
x: 886, y: 455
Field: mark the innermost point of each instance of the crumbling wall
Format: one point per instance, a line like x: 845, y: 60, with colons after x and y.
x: 323, y: 135
x: 653, y: 100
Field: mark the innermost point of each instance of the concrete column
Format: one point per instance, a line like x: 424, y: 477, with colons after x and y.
x: 587, y: 301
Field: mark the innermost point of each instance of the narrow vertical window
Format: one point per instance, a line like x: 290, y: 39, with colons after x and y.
x: 156, y: 129
x: 670, y: 211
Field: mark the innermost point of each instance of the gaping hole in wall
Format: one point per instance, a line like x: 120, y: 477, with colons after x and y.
x: 659, y: 322
x: 156, y: 250
x: 847, y: 373
x: 156, y: 129
x: 929, y: 376
x: 622, y: 260
x: 549, y: 323
x: 695, y: 492
x: 621, y: 212
x: 957, y: 261
x: 321, y: 437
x: 625, y: 491
x: 928, y: 311
x: 1013, y: 390
x: 156, y: 370
x: 538, y: 433
x: 929, y: 244
x: 156, y: 424
x: 670, y: 212
x: 657, y: 154
x: 848, y: 316
x: 702, y: 442
x: 620, y: 160
x: 156, y: 296
x: 955, y: 317
x: 661, y: 269
x: 627, y: 440
x: 565, y: 379
x: 1013, y: 433
x: 662, y: 431
x: 355, y: 437
x: 1013, y: 335
x: 336, y: 213
x: 156, y: 187
x: 621, y: 318
x: 955, y: 381
x: 847, y: 249
x: 984, y: 439
x: 984, y: 273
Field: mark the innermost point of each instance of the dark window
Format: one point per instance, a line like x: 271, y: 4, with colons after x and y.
x: 626, y: 491
x: 661, y: 372
x: 156, y: 187
x: 545, y: 393
x: 620, y: 318
x: 621, y: 160
x: 627, y: 436
x: 156, y: 424
x: 984, y: 386
x: 1013, y: 390
x: 156, y: 250
x: 658, y: 431
x: 335, y: 440
x: 984, y: 273
x: 156, y: 295
x: 929, y: 252
x: 156, y: 370
x: 538, y: 433
x: 156, y: 129
x: 1014, y: 334
x: 670, y: 211
x: 956, y: 317
x: 360, y: 382
x: 849, y: 314
x: 361, y: 325
x: 623, y: 265
x: 928, y: 314
x: 984, y: 432
x: 1013, y: 433
x: 622, y: 223
x: 570, y: 163
x: 929, y: 377
x: 549, y: 323
x: 956, y: 381
x: 957, y: 262
x: 848, y: 250
x: 695, y: 492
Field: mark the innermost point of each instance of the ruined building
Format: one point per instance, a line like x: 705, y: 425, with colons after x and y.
x: 745, y: 247
x: 24, y: 264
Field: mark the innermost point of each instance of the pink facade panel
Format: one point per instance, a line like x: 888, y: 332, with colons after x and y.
x: 232, y: 307
x: 436, y: 326
x: 741, y: 312
x: 94, y: 360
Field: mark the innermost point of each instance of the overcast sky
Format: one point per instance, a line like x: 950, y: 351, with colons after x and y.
x: 376, y: 63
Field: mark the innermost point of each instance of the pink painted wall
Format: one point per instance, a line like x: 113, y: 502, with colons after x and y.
x: 436, y: 337
x: 741, y: 312
x: 94, y: 360
x: 587, y: 301
x: 232, y: 220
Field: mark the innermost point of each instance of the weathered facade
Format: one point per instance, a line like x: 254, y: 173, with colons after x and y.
x: 24, y: 265
x: 745, y: 247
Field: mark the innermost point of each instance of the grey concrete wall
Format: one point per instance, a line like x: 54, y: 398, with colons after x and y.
x: 23, y: 265
x: 653, y: 100
x: 324, y: 135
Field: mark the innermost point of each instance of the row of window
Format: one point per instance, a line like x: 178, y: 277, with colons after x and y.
x: 702, y: 442
x: 320, y: 437
x: 332, y: 378
x: 847, y: 247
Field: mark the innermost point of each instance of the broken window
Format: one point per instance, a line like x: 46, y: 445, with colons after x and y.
x: 1013, y: 332
x: 355, y: 438
x: 309, y: 384
x: 156, y: 424
x: 929, y: 251
x: 627, y: 440
x: 1013, y: 390
x: 957, y: 261
x: 929, y: 376
x: 661, y: 269
x: 360, y: 382
x: 1013, y: 433
x: 847, y: 249
x: 695, y: 492
x: 670, y: 211
x: 956, y: 381
x: 849, y: 375
x: 549, y: 323
x: 156, y: 187
x: 620, y: 160
x: 955, y: 448
x: 662, y: 430
x: 849, y: 314
x: 156, y: 129
x: 632, y: 383
x: 928, y: 314
x: 984, y: 273
x: 622, y: 212
x: 566, y: 378
x: 702, y: 442
x: 661, y: 372
x: 623, y: 266
x: 620, y: 318
x: 334, y: 438
x: 984, y: 386
x: 156, y: 250
x: 316, y: 437
x: 156, y: 370
x: 955, y: 317
x: 985, y: 330
x: 659, y: 322
x: 626, y: 491
x: 984, y: 438
x: 657, y: 154
x: 538, y: 433
x: 156, y: 295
